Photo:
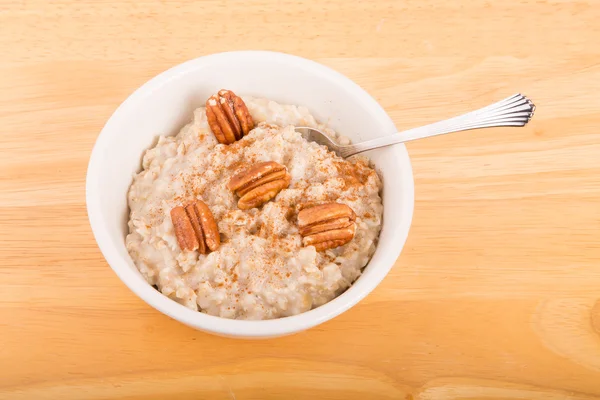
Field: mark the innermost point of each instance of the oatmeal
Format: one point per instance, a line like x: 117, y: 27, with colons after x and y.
x: 265, y: 265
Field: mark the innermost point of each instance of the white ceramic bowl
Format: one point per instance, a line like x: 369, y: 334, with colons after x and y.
x: 165, y: 103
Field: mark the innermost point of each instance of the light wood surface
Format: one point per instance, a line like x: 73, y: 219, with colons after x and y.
x: 497, y: 293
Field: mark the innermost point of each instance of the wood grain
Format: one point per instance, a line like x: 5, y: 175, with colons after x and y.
x: 497, y: 293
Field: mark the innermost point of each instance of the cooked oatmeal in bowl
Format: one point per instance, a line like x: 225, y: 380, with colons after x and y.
x: 238, y: 216
x: 169, y: 235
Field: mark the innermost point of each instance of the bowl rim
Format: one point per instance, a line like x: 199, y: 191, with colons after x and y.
x: 224, y: 326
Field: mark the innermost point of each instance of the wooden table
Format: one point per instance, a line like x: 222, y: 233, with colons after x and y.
x: 497, y: 292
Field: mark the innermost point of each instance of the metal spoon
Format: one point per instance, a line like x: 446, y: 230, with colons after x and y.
x: 516, y: 110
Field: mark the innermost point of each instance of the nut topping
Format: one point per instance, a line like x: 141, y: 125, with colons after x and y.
x: 195, y: 227
x: 228, y: 116
x: 259, y: 184
x: 326, y: 226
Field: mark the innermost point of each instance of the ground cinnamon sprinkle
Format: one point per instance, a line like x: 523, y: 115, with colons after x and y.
x: 352, y: 174
x: 236, y: 165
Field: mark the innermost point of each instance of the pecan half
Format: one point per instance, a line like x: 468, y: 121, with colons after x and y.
x: 195, y: 227
x: 228, y: 116
x: 259, y: 184
x: 326, y: 226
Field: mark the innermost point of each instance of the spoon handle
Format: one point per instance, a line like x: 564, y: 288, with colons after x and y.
x: 516, y: 110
